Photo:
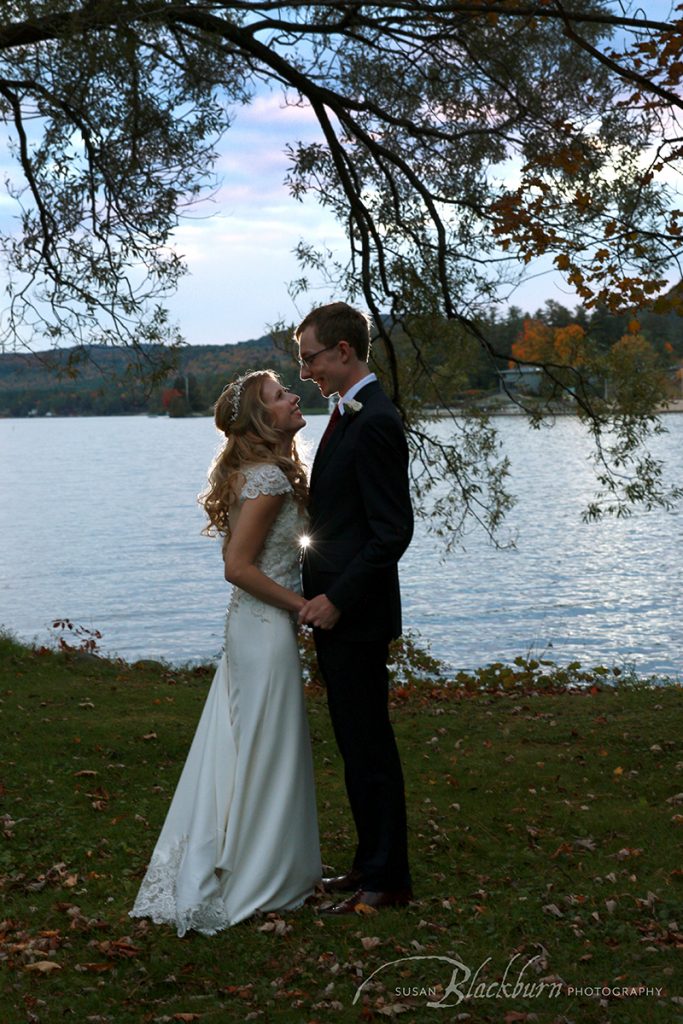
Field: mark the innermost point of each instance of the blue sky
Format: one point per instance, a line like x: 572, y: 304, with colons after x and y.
x: 240, y: 258
x: 238, y: 246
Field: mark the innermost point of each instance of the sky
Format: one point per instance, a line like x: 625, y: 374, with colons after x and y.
x: 240, y: 258
x: 239, y: 245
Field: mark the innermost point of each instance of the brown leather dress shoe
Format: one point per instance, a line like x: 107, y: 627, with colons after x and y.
x: 368, y: 898
x: 342, y: 883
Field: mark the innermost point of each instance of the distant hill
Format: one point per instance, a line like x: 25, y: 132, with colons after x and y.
x: 43, y: 383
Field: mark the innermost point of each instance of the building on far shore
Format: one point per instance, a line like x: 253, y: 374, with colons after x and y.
x: 524, y: 380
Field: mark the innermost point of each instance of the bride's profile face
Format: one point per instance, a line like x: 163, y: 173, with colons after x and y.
x: 283, y: 406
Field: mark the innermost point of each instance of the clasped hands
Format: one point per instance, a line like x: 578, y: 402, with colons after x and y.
x: 319, y: 612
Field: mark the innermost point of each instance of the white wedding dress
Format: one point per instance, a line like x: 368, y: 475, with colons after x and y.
x: 241, y: 834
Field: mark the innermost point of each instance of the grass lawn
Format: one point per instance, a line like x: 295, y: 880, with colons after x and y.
x: 543, y: 824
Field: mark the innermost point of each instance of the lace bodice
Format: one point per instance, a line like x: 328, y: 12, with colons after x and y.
x: 280, y: 556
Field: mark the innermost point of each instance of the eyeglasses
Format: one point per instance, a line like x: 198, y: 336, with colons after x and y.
x: 307, y: 360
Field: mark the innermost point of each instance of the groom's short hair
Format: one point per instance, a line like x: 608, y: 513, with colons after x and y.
x: 335, y: 322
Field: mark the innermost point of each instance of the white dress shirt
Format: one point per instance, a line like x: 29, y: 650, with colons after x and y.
x: 354, y: 389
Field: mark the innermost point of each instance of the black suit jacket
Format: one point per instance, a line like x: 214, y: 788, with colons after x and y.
x: 361, y: 519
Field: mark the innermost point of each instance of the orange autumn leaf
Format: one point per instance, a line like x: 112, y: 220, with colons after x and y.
x: 570, y: 345
x: 535, y: 342
x: 364, y: 908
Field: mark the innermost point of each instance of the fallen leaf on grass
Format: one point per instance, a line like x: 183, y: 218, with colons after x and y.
x: 370, y: 941
x: 661, y: 935
x: 86, y: 773
x: 677, y: 798
x: 278, y: 927
x: 99, y: 798
x: 552, y: 909
x: 648, y: 902
x: 117, y: 948
x: 7, y: 823
x: 563, y: 848
x: 364, y: 908
x: 94, y: 968
x: 150, y: 736
x: 43, y: 966
x: 243, y: 991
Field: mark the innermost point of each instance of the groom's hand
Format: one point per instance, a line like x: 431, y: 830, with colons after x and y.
x: 319, y: 612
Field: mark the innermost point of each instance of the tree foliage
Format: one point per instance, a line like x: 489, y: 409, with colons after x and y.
x: 459, y: 142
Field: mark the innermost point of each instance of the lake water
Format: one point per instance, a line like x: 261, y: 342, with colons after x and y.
x: 99, y: 524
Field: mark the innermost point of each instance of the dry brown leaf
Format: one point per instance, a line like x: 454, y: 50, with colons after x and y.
x: 43, y: 966
x: 553, y: 909
x: 278, y: 927
x: 370, y: 941
x: 364, y: 908
x: 117, y: 947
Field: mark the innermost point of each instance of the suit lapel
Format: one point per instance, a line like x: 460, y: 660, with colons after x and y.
x: 323, y: 459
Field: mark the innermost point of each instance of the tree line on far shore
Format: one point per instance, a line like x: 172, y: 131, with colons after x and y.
x: 103, y: 388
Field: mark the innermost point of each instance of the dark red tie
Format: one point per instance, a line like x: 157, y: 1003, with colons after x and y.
x: 329, y: 429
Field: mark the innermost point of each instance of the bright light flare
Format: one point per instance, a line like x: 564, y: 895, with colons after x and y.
x: 304, y: 541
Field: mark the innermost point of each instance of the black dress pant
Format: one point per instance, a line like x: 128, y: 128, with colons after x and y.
x: 357, y: 682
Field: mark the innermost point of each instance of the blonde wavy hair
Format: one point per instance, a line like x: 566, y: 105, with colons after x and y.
x: 241, y: 414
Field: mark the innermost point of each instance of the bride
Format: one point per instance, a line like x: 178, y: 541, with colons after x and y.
x: 241, y: 834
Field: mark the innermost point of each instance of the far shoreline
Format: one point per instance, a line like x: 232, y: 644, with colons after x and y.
x: 509, y: 409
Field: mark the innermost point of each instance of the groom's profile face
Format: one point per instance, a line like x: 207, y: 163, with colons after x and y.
x: 319, y: 363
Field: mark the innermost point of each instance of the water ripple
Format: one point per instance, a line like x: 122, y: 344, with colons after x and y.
x: 100, y: 525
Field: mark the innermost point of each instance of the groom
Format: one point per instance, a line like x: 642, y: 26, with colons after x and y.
x: 361, y: 523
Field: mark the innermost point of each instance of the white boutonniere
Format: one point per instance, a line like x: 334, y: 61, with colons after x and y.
x: 352, y: 406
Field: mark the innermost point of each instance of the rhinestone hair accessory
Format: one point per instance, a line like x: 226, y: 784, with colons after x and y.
x: 236, y: 398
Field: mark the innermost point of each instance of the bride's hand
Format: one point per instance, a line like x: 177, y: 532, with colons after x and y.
x: 319, y: 612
